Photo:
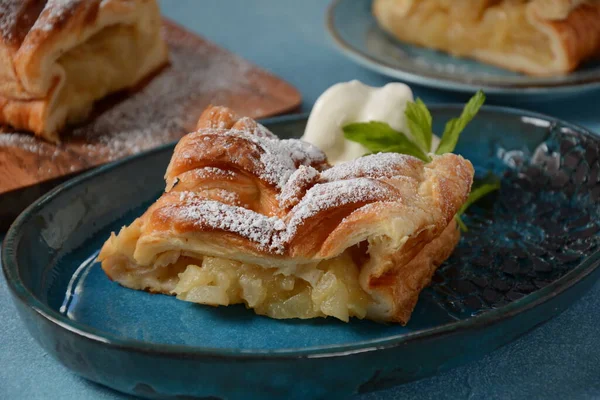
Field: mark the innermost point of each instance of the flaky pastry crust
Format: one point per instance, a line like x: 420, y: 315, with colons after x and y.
x: 57, y: 57
x: 541, y: 37
x: 235, y: 191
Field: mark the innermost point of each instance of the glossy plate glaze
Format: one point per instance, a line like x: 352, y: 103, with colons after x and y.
x: 356, y: 33
x: 531, y: 250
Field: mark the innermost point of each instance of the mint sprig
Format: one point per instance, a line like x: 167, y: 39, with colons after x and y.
x: 455, y: 126
x: 419, y: 122
x: 381, y: 137
x: 490, y: 184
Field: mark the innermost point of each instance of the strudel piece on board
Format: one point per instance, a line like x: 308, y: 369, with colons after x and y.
x: 57, y: 57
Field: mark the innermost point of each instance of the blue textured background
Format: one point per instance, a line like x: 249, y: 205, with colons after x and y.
x: 558, y: 360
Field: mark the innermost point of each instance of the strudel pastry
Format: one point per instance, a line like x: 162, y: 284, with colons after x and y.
x: 57, y: 57
x: 537, y: 37
x: 249, y: 218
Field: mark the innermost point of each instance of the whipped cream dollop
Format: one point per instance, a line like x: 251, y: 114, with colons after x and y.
x: 353, y: 101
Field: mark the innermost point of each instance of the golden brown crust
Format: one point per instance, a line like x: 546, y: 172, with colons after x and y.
x: 563, y: 33
x: 402, y: 286
x: 38, y: 35
x: 212, y: 146
x: 392, y: 212
x: 556, y: 9
x: 216, y: 117
x: 17, y: 17
x: 576, y: 37
x: 16, y: 20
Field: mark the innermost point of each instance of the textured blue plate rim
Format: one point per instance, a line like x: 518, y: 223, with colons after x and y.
x: 540, y: 86
x: 28, y: 299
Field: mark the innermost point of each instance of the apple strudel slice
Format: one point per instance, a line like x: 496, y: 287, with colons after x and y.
x: 536, y: 37
x: 57, y: 57
x: 249, y: 218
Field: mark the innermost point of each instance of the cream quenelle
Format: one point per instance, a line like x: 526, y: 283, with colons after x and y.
x: 353, y: 101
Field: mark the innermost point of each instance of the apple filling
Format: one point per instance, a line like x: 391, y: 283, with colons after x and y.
x: 461, y: 27
x: 329, y: 288
x: 104, y: 64
x: 326, y: 288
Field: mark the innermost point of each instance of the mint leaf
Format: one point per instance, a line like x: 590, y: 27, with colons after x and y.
x: 488, y: 185
x: 419, y: 120
x: 375, y: 136
x: 478, y: 193
x: 455, y: 126
x: 380, y: 137
x: 461, y: 224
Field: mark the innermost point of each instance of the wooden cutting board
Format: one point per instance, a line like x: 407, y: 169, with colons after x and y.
x: 161, y: 110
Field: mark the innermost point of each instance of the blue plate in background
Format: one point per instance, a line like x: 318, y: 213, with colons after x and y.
x: 357, y: 35
x: 532, y: 249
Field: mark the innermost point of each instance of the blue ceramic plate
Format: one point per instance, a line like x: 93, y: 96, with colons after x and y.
x: 356, y: 34
x: 531, y: 250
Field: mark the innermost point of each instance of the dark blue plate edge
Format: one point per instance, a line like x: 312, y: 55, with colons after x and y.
x: 9, y: 267
x: 426, y: 79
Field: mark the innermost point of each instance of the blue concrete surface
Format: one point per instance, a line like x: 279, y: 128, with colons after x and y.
x: 560, y: 360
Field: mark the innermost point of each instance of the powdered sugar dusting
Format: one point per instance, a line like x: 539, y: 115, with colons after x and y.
x: 287, y: 155
x: 23, y: 141
x: 327, y: 196
x: 258, y: 228
x: 352, y: 185
x: 211, y: 172
x: 272, y: 234
x: 54, y: 11
x: 222, y: 195
x: 279, y: 159
x: 227, y: 196
x: 262, y: 131
x: 299, y: 182
x: 168, y: 106
x: 9, y: 10
x: 382, y: 165
x: 303, y: 153
x: 282, y: 157
x: 289, y: 164
x: 254, y: 128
